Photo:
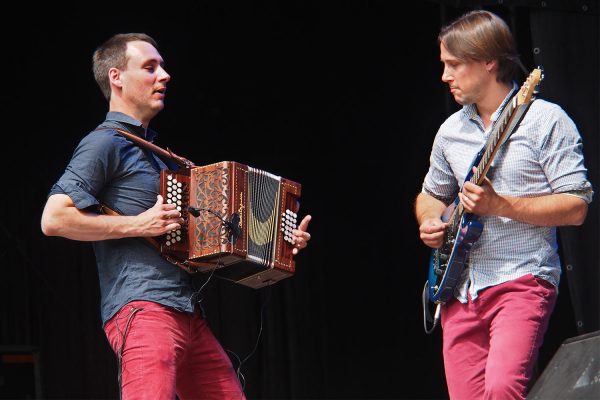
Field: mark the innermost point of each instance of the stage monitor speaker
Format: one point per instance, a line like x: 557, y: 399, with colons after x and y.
x: 573, y: 372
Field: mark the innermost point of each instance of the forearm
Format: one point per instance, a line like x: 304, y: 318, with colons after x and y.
x: 428, y: 207
x: 428, y: 211
x: 550, y: 210
x: 62, y: 218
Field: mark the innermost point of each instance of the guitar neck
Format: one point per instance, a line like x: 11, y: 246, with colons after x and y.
x: 497, y: 136
x: 505, y: 125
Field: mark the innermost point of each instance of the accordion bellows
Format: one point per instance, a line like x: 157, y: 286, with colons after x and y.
x: 244, y: 221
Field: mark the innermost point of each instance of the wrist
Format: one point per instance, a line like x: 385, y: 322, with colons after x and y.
x: 506, y: 206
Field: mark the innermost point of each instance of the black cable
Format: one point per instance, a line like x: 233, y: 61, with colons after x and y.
x: 239, y: 373
x: 240, y: 376
x: 427, y: 313
x: 195, y: 295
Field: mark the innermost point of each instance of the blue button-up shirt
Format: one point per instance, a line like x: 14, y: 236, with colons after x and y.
x: 108, y: 169
x: 542, y: 156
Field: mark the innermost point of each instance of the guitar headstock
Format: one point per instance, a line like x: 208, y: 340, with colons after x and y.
x: 530, y: 87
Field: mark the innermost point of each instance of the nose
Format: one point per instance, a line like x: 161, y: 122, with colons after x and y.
x: 164, y: 75
x: 445, y: 75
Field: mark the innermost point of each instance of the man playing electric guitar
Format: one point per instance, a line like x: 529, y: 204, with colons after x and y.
x: 494, y: 328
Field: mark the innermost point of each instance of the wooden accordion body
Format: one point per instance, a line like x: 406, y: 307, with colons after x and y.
x: 243, y: 226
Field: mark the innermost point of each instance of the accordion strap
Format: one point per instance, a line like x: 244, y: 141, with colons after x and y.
x: 182, y: 162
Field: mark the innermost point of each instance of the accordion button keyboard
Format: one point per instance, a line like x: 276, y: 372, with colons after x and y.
x: 288, y: 224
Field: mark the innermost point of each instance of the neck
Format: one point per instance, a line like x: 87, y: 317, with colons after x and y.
x: 117, y: 105
x: 495, y: 95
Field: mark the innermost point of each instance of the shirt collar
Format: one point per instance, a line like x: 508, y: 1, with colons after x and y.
x: 133, y: 125
x: 470, y: 111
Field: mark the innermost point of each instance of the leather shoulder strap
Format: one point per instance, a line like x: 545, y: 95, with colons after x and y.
x: 181, y: 161
x: 165, y: 154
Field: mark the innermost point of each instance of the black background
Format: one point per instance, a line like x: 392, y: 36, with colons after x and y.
x: 343, y: 97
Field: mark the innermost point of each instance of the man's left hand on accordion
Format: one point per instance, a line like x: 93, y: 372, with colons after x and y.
x: 300, y: 236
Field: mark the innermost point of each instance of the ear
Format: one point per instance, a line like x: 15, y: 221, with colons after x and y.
x: 114, y: 76
x: 491, y: 65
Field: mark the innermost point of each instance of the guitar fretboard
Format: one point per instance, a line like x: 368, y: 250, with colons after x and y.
x: 495, y: 138
x: 498, y: 134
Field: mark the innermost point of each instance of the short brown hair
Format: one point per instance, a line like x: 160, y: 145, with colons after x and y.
x: 111, y: 54
x: 482, y: 36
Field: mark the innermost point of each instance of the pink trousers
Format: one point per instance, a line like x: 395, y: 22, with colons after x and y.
x: 490, y: 344
x: 166, y: 353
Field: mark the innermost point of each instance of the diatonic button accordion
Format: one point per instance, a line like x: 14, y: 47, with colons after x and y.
x: 238, y: 220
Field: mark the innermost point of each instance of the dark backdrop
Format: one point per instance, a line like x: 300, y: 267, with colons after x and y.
x: 343, y: 97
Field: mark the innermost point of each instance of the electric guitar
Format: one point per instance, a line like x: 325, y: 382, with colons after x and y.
x: 463, y: 229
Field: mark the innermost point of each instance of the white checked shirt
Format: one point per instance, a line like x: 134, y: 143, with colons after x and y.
x: 542, y: 156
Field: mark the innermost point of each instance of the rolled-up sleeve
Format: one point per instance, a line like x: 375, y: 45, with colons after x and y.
x: 561, y: 157
x: 78, y: 194
x: 88, y: 171
x: 439, y: 181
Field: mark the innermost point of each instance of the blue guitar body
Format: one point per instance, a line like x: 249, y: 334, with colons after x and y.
x: 447, y: 262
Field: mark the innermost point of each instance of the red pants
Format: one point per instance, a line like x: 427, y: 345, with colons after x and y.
x: 491, y: 343
x: 167, y: 352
